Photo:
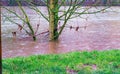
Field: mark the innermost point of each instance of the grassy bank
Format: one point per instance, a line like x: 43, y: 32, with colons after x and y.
x: 95, y: 62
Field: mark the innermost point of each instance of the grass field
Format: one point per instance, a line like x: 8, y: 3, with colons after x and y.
x: 84, y: 62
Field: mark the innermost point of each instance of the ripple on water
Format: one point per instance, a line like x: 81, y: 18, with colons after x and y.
x: 100, y: 34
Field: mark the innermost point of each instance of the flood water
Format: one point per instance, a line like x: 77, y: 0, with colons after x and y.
x: 98, y: 32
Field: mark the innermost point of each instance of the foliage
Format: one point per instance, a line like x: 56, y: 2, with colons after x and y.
x: 84, y: 62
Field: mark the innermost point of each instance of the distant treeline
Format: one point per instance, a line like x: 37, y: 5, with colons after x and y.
x: 41, y: 2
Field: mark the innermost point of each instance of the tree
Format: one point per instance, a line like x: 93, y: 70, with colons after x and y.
x: 73, y: 9
x: 74, y: 6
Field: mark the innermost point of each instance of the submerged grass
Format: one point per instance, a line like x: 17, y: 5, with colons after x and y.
x: 94, y: 62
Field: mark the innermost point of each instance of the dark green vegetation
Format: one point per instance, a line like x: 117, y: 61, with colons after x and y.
x: 94, y: 62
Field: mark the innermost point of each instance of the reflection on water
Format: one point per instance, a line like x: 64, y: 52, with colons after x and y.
x: 100, y: 34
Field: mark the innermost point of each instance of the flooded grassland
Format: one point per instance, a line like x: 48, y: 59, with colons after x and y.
x: 97, y: 32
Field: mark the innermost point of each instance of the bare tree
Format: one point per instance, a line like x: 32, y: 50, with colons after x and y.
x: 73, y: 9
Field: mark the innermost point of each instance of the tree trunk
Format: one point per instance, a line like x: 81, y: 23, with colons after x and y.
x: 53, y: 20
x: 0, y: 31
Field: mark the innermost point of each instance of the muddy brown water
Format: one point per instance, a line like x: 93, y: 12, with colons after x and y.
x: 102, y: 32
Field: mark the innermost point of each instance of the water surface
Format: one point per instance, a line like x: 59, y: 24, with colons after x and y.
x: 98, y: 32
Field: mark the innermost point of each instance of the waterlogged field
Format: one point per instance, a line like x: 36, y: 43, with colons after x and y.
x: 97, y: 32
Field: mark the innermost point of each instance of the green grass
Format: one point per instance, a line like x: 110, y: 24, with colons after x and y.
x: 106, y: 62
